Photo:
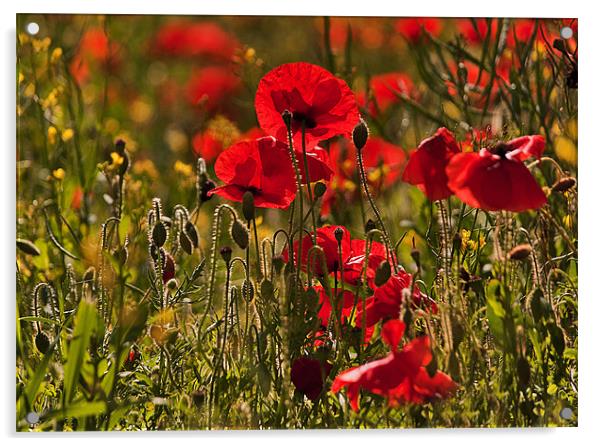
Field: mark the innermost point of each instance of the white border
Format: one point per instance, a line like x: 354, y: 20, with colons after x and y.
x: 590, y: 188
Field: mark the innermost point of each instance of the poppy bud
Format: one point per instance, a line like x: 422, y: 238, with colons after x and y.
x: 278, y: 263
x: 198, y: 397
x: 338, y: 234
x: 42, y: 342
x: 185, y: 243
x: 564, y: 184
x: 240, y: 234
x: 248, y: 206
x: 125, y: 164
x: 169, y: 267
x: 159, y: 234
x: 520, y: 252
x: 248, y: 290
x: 383, y: 272
x: 287, y: 116
x: 360, y: 134
x: 319, y: 189
x: 226, y: 253
x: 28, y: 247
x: 369, y: 226
x: 192, y: 233
x: 120, y: 146
x: 89, y: 275
x: 207, y: 186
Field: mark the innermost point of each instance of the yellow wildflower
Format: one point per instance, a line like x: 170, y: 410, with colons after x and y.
x: 67, y: 134
x: 59, y: 173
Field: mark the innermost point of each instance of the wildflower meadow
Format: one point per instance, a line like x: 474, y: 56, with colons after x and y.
x: 295, y: 222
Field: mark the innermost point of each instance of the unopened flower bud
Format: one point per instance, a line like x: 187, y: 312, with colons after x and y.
x: 338, y: 234
x: 564, y: 184
x: 42, y: 342
x: 287, y: 117
x: 120, y: 146
x: 226, y: 253
x: 360, y: 134
x: 192, y: 233
x: 248, y: 206
x: 206, y: 186
x: 383, y: 273
x: 185, y: 243
x: 520, y: 252
x: 159, y: 234
x: 240, y: 234
x: 319, y: 189
x: 369, y: 226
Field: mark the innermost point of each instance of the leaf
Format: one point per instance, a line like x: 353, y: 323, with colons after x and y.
x: 85, y: 324
x: 79, y: 409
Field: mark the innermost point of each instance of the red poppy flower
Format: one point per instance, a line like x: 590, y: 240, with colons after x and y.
x: 318, y: 165
x: 94, y: 50
x: 477, y: 35
x: 355, y: 262
x: 385, y: 88
x: 401, y: 376
x: 387, y: 299
x: 185, y: 39
x: 496, y: 179
x: 347, y: 299
x: 325, y: 238
x: 308, y: 374
x: 412, y: 27
x: 211, y: 86
x: 426, y: 167
x: 261, y: 166
x: 313, y: 95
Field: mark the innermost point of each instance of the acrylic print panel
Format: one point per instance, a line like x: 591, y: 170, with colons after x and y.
x: 295, y: 222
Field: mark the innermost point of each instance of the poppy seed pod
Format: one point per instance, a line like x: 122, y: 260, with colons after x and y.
x: 240, y: 234
x: 383, y: 272
x: 520, y: 252
x: 360, y: 134
x: 226, y: 253
x: 248, y: 206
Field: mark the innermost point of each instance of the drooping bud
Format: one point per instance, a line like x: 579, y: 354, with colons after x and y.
x: 42, y: 342
x: 226, y: 253
x: 169, y: 267
x: 240, y: 234
x: 248, y: 290
x: 564, y: 184
x: 383, y: 273
x: 28, y: 247
x: 206, y: 186
x: 319, y: 189
x: 192, y: 233
x: 248, y: 206
x: 360, y: 134
x: 369, y: 226
x: 159, y: 234
x: 520, y: 252
x: 185, y: 243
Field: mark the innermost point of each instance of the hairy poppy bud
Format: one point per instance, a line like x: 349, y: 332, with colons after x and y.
x: 338, y: 234
x: 248, y: 205
x: 319, y: 189
x: 169, y: 267
x: 287, y: 116
x: 520, y: 252
x: 192, y: 233
x: 159, y: 234
x: 360, y: 134
x: 240, y: 234
x: 206, y: 186
x: 369, y: 226
x: 383, y: 272
x: 185, y: 243
x: 248, y: 290
x: 42, y: 342
x: 28, y: 247
x: 564, y: 184
x: 226, y: 253
x: 89, y: 275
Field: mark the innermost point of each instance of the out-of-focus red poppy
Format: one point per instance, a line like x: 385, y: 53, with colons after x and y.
x: 316, y: 99
x: 210, y: 87
x: 325, y: 239
x: 262, y: 167
x: 94, y: 50
x: 308, y: 375
x: 206, y: 146
x: 496, y: 179
x: 385, y: 88
x: 186, y: 39
x: 401, y: 376
x: 383, y: 161
x: 76, y: 198
x: 387, y: 299
x: 412, y: 27
x: 476, y: 81
x: 426, y: 167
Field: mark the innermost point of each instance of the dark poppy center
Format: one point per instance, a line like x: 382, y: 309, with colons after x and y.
x: 310, y: 123
x: 500, y: 149
x: 254, y: 190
